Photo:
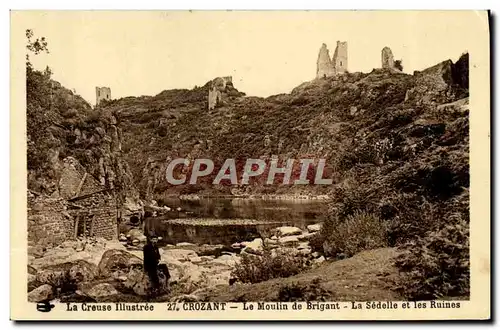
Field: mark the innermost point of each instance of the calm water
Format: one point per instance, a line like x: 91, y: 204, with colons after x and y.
x: 294, y: 212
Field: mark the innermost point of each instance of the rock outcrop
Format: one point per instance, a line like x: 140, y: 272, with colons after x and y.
x: 441, y: 83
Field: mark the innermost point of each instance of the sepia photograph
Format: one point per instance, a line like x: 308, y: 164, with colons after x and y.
x: 250, y: 164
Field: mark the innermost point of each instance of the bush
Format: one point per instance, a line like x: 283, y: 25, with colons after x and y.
x: 316, y: 242
x: 358, y: 232
x: 254, y: 269
x: 437, y: 265
x: 303, y: 292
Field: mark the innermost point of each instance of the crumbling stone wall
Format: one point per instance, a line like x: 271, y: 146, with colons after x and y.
x: 218, y: 87
x: 102, y: 93
x: 340, y: 57
x: 387, y: 58
x: 324, y: 66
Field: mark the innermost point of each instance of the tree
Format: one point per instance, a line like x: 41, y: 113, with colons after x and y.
x: 36, y: 46
x: 398, y: 64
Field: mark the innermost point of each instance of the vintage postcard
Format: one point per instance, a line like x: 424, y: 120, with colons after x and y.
x: 250, y: 165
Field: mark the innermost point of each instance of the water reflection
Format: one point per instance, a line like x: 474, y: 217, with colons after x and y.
x: 295, y: 212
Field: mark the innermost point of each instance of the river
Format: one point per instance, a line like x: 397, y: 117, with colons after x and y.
x: 224, y: 220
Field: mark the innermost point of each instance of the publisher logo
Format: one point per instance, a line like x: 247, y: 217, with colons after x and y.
x: 44, y: 306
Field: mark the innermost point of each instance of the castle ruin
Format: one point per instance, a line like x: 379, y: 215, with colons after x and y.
x: 102, y: 93
x: 326, y: 66
x: 387, y: 58
x: 217, y: 87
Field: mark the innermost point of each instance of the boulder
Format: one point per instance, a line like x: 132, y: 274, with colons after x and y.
x: 207, y: 258
x: 32, y: 270
x: 314, y: 228
x: 305, y: 236
x: 179, y: 254
x: 210, y: 250
x: 58, y: 275
x: 302, y: 246
x: 269, y: 241
x: 68, y: 244
x: 35, y: 251
x: 135, y: 234
x: 185, y: 244
x: 80, y: 246
x: 256, y: 244
x: 195, y: 259
x: 82, y: 270
x: 289, y: 241
x: 305, y: 252
x: 32, y: 282
x: 236, y: 246
x: 288, y: 231
x: 250, y: 250
x: 253, y: 247
x: 319, y: 260
x: 139, y: 282
x: 115, y: 263
x: 42, y: 293
x: 101, y: 290
x: 225, y: 260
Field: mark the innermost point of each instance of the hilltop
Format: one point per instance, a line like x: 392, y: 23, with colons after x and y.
x: 345, y: 119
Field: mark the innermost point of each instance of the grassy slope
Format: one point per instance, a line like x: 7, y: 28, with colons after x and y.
x: 370, y: 275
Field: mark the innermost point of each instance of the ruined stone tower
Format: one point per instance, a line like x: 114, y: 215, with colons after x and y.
x: 102, y: 93
x: 217, y: 87
x: 387, y: 58
x: 340, y: 57
x: 326, y: 66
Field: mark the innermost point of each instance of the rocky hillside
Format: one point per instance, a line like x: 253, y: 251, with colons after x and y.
x: 61, y: 124
x: 356, y: 120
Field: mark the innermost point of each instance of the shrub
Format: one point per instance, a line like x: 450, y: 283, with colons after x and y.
x: 437, y: 265
x: 398, y: 64
x: 62, y: 284
x: 303, y: 292
x: 408, y: 216
x: 316, y: 242
x: 358, y: 232
x: 254, y: 269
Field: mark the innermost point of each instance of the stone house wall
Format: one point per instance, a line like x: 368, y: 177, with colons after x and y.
x: 53, y: 221
x: 49, y: 222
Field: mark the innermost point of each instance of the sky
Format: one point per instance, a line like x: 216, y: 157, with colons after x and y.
x: 266, y: 52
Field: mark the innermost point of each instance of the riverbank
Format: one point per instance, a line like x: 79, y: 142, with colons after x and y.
x: 100, y: 270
